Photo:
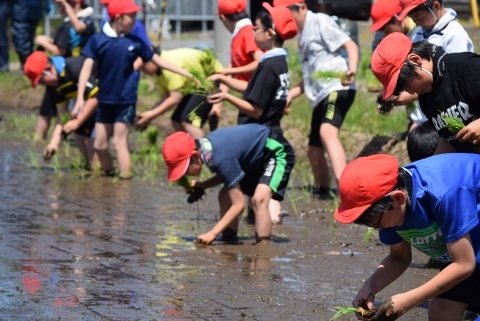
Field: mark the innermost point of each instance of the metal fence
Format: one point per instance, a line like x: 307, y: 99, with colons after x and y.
x: 177, y: 10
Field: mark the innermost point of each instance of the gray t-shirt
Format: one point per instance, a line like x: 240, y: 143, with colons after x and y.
x: 319, y: 43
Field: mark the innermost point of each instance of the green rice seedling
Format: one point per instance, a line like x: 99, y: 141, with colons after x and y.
x: 328, y: 74
x: 369, y: 234
x: 453, y: 123
x: 208, y: 63
x: 341, y: 311
x: 205, y: 87
x: 186, y: 182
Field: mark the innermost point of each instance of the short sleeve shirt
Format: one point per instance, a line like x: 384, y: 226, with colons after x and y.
x: 319, y: 43
x: 187, y: 58
x: 268, y: 90
x: 115, y: 55
x: 68, y: 80
x: 242, y: 48
x: 237, y: 150
x: 66, y: 37
x: 445, y: 205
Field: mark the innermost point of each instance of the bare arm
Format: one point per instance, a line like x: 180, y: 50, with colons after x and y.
x: 236, y: 209
x: 48, y: 45
x: 244, y: 106
x: 462, y: 266
x: 352, y: 51
x: 247, y: 69
x: 77, y: 24
x: 87, y: 111
x: 168, y: 102
x: 232, y: 83
x: 163, y: 64
x: 391, y: 267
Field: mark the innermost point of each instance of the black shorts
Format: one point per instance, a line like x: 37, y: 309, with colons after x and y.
x: 48, y: 108
x: 278, y: 164
x: 331, y: 110
x: 192, y: 109
x: 466, y: 292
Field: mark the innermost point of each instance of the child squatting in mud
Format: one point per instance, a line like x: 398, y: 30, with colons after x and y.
x: 420, y: 205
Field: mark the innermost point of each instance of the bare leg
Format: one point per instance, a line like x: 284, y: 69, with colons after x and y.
x: 43, y: 124
x: 100, y: 145
x: 195, y: 132
x: 445, y: 310
x: 120, y: 141
x: 263, y: 221
x: 318, y: 162
x: 225, y: 204
x: 333, y: 145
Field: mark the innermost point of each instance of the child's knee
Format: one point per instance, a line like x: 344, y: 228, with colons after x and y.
x: 260, y: 201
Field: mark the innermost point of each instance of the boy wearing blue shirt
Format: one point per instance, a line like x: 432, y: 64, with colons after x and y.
x: 115, y: 51
x: 431, y: 205
x: 249, y: 159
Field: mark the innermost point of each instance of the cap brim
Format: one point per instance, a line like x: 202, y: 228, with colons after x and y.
x: 349, y: 215
x: 379, y: 24
x: 174, y: 174
x: 405, y: 11
x: 392, y: 83
x: 36, y: 81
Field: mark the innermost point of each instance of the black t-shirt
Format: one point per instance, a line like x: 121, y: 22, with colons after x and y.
x: 268, y: 89
x: 66, y: 37
x: 455, y: 92
x: 68, y: 81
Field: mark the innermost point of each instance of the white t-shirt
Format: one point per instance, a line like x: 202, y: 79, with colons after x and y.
x: 451, y: 36
x: 319, y: 43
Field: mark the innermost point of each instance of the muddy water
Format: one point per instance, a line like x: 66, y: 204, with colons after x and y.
x: 95, y: 249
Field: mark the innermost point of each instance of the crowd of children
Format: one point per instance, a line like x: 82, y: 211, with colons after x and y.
x: 425, y: 57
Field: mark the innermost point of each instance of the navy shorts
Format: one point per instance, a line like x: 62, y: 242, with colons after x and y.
x: 278, y: 164
x: 192, y: 109
x: 332, y: 110
x: 109, y: 114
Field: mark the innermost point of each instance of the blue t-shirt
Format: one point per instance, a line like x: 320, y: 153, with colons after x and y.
x: 444, y: 206
x: 117, y: 80
x: 235, y: 151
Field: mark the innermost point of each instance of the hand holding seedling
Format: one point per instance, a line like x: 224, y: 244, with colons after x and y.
x: 216, y: 77
x: 70, y: 126
x: 217, y: 98
x: 349, y: 79
x: 392, y: 309
x: 384, y: 106
x: 470, y: 133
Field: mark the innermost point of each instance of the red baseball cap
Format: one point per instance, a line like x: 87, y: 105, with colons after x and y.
x: 284, y: 24
x: 363, y: 182
x: 382, y: 12
x: 388, y: 59
x: 105, y: 2
x: 177, y: 150
x: 286, y: 3
x: 34, y: 66
x: 407, y: 6
x: 227, y: 7
x: 119, y: 7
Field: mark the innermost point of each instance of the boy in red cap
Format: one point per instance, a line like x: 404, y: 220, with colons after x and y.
x: 61, y: 76
x: 115, y: 51
x: 265, y: 95
x: 69, y: 39
x: 431, y: 205
x: 384, y: 14
x: 320, y: 40
x: 248, y: 159
x: 439, y: 26
x: 244, y: 52
x: 447, y: 86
